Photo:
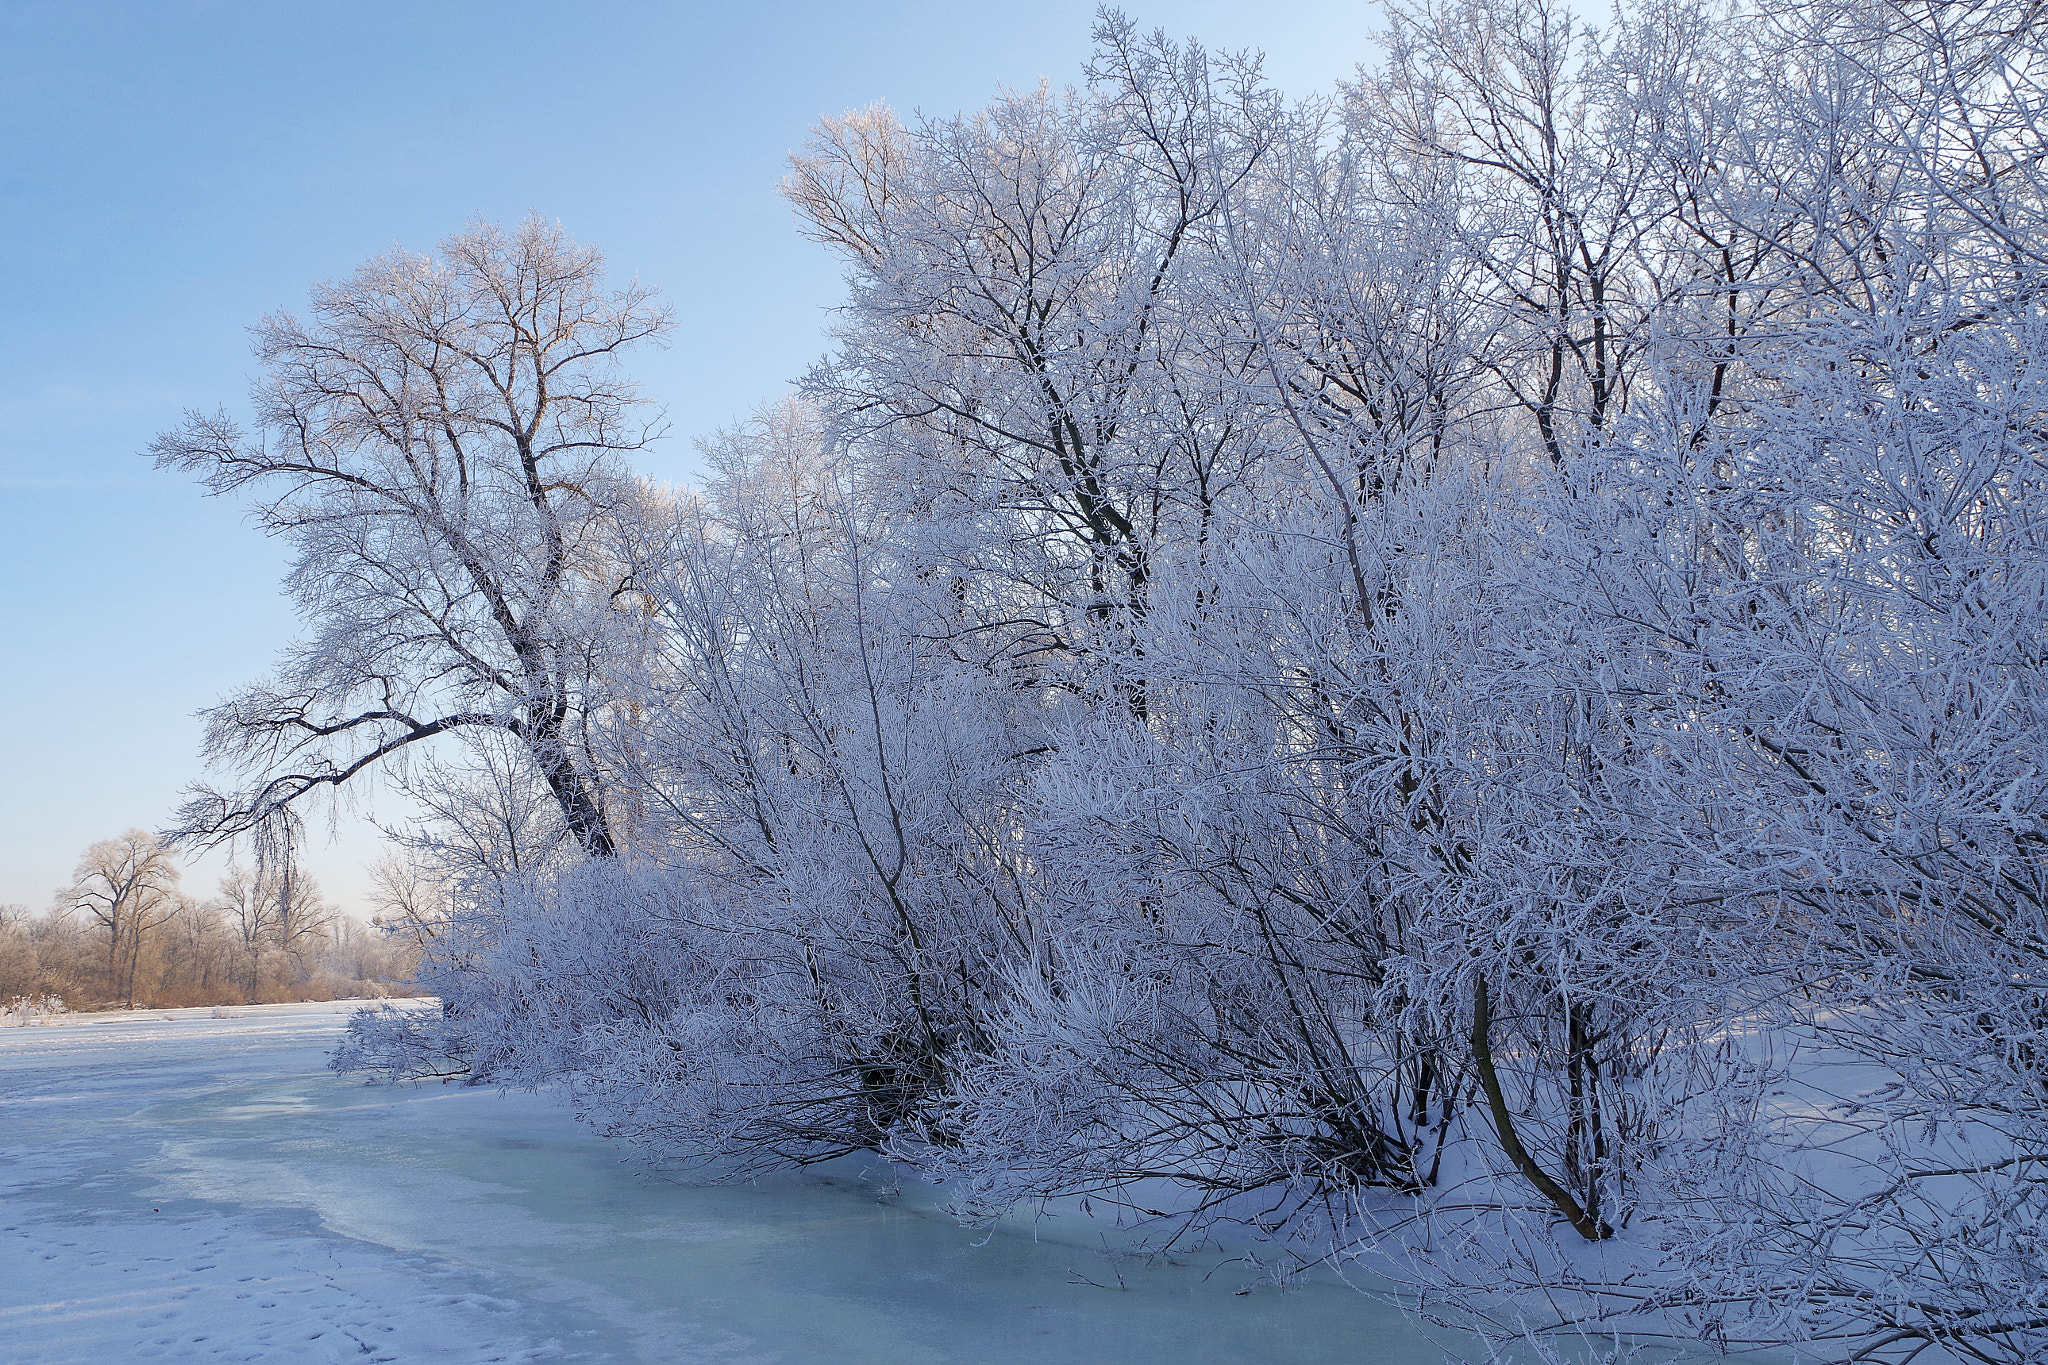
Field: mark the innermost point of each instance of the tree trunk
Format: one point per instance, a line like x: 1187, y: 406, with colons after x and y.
x: 1586, y: 1225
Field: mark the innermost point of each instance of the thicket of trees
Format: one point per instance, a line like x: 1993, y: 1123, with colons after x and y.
x: 1455, y: 669
x: 124, y: 934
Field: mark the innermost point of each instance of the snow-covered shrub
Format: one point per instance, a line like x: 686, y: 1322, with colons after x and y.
x: 24, y: 1010
x: 403, y: 1043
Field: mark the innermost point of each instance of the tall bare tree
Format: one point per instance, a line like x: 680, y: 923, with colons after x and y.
x: 129, y: 887
x: 273, y: 908
x: 244, y: 902
x: 305, y: 918
x: 441, y: 441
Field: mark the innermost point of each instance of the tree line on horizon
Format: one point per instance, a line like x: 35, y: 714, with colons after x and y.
x: 1450, y: 671
x: 123, y: 935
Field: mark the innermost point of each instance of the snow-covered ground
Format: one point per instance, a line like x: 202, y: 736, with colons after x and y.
x: 201, y: 1188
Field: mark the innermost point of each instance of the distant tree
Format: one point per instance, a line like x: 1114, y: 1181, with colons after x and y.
x: 440, y: 442
x: 129, y: 887
x: 305, y: 919
x: 365, y: 955
x: 17, y: 959
x: 250, y: 913
x: 276, y: 910
x: 410, y: 901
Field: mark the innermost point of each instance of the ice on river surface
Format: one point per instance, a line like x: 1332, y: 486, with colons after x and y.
x: 202, y: 1189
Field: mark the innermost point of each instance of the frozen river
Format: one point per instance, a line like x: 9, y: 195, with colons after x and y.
x: 202, y: 1189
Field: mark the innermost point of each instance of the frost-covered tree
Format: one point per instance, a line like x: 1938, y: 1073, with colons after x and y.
x: 1021, y: 353
x: 442, y: 443
x: 826, y: 788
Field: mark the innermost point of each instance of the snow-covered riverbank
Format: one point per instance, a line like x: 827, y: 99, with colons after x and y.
x: 200, y: 1188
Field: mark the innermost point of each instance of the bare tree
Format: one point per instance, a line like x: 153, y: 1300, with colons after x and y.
x: 441, y: 442
x: 245, y: 903
x: 129, y: 886
x: 305, y: 919
x: 411, y: 900
x: 273, y: 909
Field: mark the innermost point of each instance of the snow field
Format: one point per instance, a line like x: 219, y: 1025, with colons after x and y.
x: 200, y: 1189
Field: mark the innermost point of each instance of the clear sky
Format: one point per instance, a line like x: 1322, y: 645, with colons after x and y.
x: 170, y: 170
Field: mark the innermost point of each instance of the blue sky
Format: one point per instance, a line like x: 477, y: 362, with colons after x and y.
x: 170, y: 171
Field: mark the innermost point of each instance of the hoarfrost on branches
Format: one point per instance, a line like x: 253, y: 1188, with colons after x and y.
x: 1450, y: 675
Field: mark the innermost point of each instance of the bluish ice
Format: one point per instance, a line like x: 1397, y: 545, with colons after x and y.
x: 201, y: 1188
